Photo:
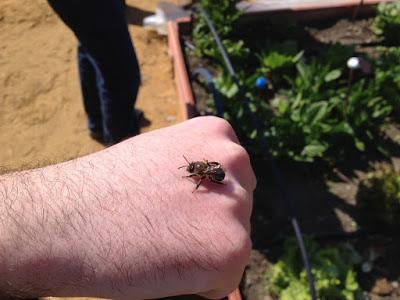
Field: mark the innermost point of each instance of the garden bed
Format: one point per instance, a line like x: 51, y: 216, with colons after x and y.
x: 326, y: 192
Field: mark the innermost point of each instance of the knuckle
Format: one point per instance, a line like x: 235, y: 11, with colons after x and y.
x: 239, y: 232
x: 239, y: 154
x: 246, y: 246
x: 224, y: 127
x: 215, y: 121
x: 216, y: 124
x: 241, y: 249
x: 239, y: 204
x: 241, y: 163
x: 237, y: 250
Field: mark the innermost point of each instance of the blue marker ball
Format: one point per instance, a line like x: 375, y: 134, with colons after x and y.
x: 261, y: 82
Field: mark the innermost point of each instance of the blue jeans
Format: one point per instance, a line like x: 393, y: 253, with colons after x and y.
x: 108, y: 68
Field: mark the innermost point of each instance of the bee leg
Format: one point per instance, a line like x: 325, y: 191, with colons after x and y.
x: 190, y: 176
x: 198, y: 184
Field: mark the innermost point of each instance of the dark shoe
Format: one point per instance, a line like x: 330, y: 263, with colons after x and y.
x: 98, y: 137
x: 139, y: 114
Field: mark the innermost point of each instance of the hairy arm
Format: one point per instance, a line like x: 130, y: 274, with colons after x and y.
x: 122, y: 223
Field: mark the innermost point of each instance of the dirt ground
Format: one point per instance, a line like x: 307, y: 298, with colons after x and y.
x: 41, y: 112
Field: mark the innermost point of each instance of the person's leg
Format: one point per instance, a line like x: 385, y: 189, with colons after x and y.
x: 90, y: 94
x: 102, y: 30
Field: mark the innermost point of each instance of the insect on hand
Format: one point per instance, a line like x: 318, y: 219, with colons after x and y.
x: 205, y: 169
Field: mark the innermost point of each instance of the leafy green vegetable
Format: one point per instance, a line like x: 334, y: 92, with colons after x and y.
x: 333, y: 75
x: 279, y: 59
x: 279, y: 55
x: 224, y: 15
x: 316, y: 113
x: 387, y: 22
x: 332, y: 267
x: 387, y: 76
x: 336, y: 55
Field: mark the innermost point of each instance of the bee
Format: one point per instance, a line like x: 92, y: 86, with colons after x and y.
x: 204, y: 169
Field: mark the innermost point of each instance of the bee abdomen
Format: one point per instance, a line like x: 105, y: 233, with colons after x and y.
x: 219, y: 175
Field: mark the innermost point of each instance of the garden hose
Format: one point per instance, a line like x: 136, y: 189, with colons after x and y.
x: 209, y: 79
x: 264, y: 146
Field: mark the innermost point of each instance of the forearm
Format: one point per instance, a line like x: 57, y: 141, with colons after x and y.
x: 40, y: 212
x: 47, y: 215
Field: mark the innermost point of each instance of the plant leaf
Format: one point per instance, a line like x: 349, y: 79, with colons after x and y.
x: 343, y: 127
x: 316, y: 112
x: 359, y: 144
x: 314, y: 150
x: 298, y: 56
x: 232, y: 91
x: 333, y: 75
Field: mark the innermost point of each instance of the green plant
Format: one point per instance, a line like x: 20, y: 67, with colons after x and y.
x: 316, y: 115
x: 332, y: 267
x: 379, y: 194
x: 233, y: 103
x: 224, y: 16
x: 279, y: 59
x: 387, y: 22
x: 336, y: 55
x: 387, y: 76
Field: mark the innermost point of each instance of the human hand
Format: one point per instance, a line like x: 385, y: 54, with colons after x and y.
x: 124, y: 223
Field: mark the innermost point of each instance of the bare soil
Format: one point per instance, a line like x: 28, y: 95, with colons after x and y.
x: 41, y: 112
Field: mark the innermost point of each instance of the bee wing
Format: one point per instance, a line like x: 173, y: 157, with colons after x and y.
x: 218, y: 174
x: 214, y: 164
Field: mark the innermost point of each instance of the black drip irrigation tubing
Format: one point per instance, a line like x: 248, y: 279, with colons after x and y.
x: 264, y: 146
x: 209, y: 79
